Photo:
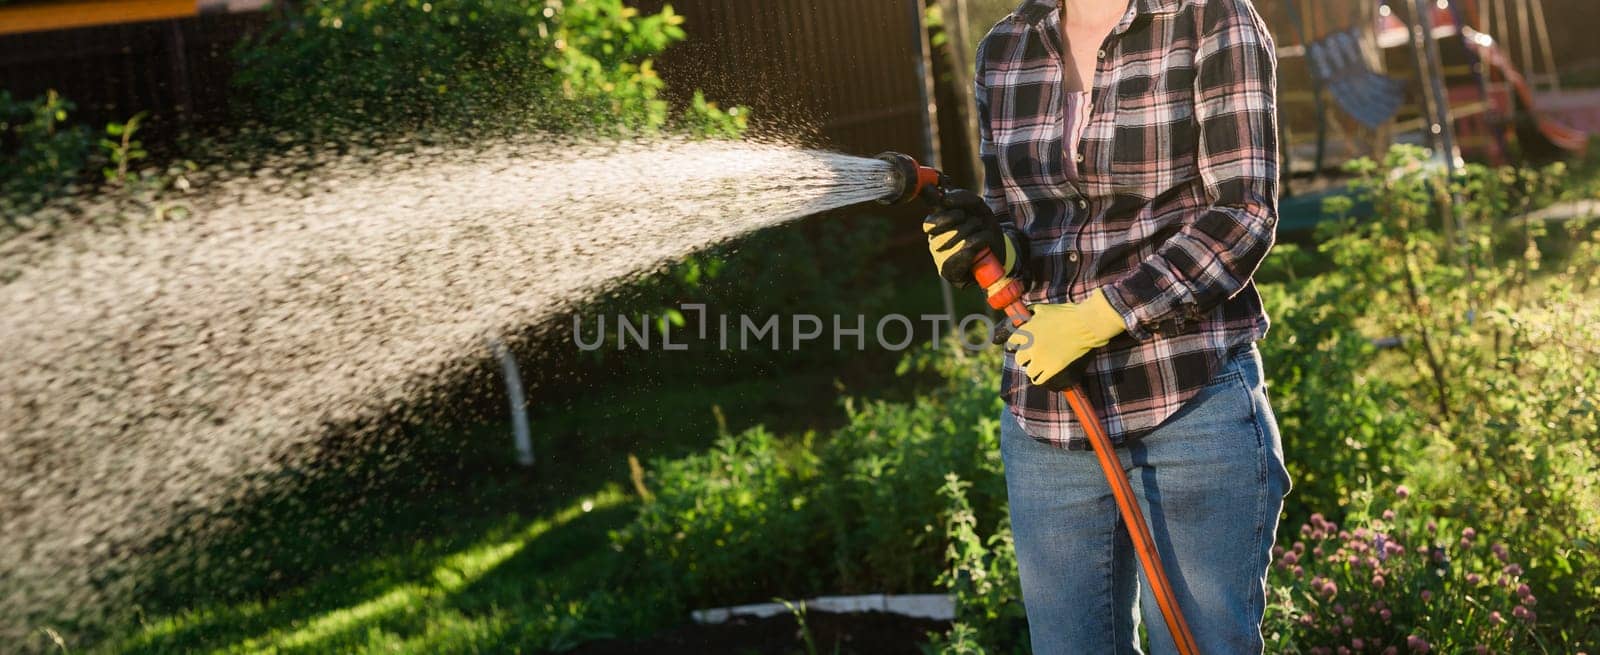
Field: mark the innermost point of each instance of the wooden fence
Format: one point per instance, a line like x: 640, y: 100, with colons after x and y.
x: 177, y: 70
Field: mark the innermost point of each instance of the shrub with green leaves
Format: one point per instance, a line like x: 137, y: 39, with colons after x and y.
x: 40, y: 153
x: 729, y: 524
x: 856, y: 512
x: 1486, y: 403
x: 559, y: 65
x: 982, y: 578
x: 1398, y: 582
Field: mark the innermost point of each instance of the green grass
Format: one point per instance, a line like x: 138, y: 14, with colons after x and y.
x: 515, y: 581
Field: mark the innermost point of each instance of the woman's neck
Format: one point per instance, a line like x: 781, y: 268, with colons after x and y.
x: 1084, y: 27
x: 1094, y: 11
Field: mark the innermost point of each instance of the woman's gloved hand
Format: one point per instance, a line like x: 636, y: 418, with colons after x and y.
x: 1060, y: 335
x: 961, y: 227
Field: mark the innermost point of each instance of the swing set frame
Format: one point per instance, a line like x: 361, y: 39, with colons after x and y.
x: 1458, y: 104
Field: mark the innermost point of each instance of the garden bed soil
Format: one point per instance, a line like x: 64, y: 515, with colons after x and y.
x: 862, y: 633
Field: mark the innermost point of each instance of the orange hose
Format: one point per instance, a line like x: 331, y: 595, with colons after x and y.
x: 1143, y: 542
x: 1006, y: 294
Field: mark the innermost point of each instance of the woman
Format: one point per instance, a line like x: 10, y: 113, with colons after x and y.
x: 1131, y: 161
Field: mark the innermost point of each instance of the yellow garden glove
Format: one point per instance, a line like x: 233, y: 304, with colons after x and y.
x: 1060, y: 335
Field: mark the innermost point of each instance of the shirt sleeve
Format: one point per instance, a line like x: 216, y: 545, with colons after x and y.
x: 993, y: 189
x: 1213, y: 256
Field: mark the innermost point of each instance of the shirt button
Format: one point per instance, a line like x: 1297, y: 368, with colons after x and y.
x: 1083, y: 204
x: 1102, y: 54
x: 1079, y: 158
x: 1072, y: 256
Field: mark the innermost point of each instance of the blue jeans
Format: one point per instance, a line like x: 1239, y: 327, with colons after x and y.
x: 1211, y: 483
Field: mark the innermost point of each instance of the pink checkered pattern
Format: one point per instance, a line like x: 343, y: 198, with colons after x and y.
x: 1173, y: 208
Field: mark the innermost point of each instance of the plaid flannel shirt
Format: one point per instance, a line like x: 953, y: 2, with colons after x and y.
x: 1175, y: 204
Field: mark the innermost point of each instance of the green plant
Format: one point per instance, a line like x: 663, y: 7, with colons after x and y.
x: 122, y: 149
x: 857, y: 511
x: 1343, y: 420
x: 798, y: 611
x: 898, y: 455
x: 40, y: 154
x: 1398, y: 582
x: 43, y: 158
x: 1485, y: 404
x: 982, y: 577
x: 387, y: 65
x: 722, y: 522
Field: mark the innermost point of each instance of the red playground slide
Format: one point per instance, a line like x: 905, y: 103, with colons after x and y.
x: 1539, y: 134
x: 1514, y: 109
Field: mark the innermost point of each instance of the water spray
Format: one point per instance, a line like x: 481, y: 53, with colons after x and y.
x: 185, y: 364
x: 910, y: 180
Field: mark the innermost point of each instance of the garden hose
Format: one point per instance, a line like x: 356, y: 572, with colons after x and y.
x: 912, y: 180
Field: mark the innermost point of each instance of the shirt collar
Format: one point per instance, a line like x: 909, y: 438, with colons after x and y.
x: 1035, y: 11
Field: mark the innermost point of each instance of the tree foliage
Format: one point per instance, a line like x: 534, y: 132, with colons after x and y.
x: 558, y: 65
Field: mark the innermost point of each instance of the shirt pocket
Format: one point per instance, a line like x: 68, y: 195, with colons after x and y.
x: 1026, y: 131
x: 1025, y: 148
x: 1155, y: 136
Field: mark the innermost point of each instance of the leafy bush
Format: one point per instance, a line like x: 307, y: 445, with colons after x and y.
x: 721, y: 520
x: 562, y: 65
x: 1397, y: 583
x: 40, y: 154
x: 43, y: 159
x: 982, y: 577
x: 1410, y: 280
x: 1486, y: 403
x: 858, y: 511
x: 1344, y: 422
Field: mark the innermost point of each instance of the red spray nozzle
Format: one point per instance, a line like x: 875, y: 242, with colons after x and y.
x: 910, y: 179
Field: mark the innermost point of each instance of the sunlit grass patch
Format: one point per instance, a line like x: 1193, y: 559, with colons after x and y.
x: 471, y: 595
